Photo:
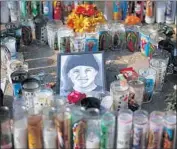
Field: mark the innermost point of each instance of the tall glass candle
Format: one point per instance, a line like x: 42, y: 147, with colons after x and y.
x: 170, y: 12
x: 169, y: 131
x: 136, y: 88
x: 155, y: 130
x: 4, y: 12
x: 20, y: 127
x: 140, y: 129
x: 149, y: 75
x: 93, y: 129
x: 124, y: 128
x: 14, y: 10
x: 34, y: 129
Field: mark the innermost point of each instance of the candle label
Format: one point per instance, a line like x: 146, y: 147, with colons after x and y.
x: 17, y: 88
x: 20, y: 138
x: 77, y: 45
x: 168, y: 137
x: 132, y: 103
x: 139, y: 137
x: 118, y: 40
x: 144, y: 44
x: 154, y: 138
x: 91, y: 45
x: 64, y: 44
x: 26, y: 35
x: 132, y: 40
x: 104, y: 40
x: 79, y: 130
x: 149, y: 86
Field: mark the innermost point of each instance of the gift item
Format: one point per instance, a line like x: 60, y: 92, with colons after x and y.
x: 40, y: 28
x: 169, y: 130
x: 108, y: 121
x: 118, y: 36
x: 149, y: 75
x: 5, y: 127
x: 136, y: 92
x: 17, y: 78
x: 105, y: 37
x: 129, y: 73
x: 140, y: 129
x: 124, y: 128
x: 160, y: 11
x: 34, y: 129
x: 4, y: 12
x: 91, y: 42
x: 10, y: 43
x: 159, y: 63
x: 77, y: 43
x: 155, y: 129
x: 64, y: 40
x: 119, y: 93
x: 132, y: 38
x: 30, y: 89
x: 20, y: 126
x: 93, y: 135
x: 150, y: 12
x: 170, y: 12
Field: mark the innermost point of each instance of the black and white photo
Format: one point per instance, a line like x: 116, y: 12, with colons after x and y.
x: 82, y: 72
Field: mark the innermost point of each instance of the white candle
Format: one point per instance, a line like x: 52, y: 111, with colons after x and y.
x: 20, y: 133
x: 93, y: 142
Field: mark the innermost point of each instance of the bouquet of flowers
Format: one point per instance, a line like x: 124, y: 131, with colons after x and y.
x: 84, y: 18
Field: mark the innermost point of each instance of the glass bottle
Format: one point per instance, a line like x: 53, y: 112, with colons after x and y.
x: 5, y: 128
x: 93, y: 135
x: 34, y: 129
x: 64, y: 37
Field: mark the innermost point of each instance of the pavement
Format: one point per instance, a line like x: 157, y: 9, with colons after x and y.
x: 41, y: 58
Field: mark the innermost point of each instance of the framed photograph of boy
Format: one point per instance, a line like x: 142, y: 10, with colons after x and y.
x: 82, y: 72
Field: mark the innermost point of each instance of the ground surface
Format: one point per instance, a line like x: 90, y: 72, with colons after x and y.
x: 41, y: 59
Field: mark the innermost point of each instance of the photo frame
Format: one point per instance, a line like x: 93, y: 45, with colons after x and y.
x: 83, y: 72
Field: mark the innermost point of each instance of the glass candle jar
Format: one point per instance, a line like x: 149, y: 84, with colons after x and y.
x: 20, y: 126
x: 140, y: 129
x: 5, y: 127
x: 30, y: 89
x: 124, y: 128
x: 155, y: 129
x: 159, y: 63
x: 118, y: 36
x: 77, y: 43
x: 14, y: 10
x: 93, y: 135
x: 108, y: 122
x: 105, y: 37
x: 4, y: 12
x: 64, y: 38
x: 34, y: 129
x: 136, y: 92
x: 149, y: 75
x: 169, y: 131
x: 119, y: 94
x: 52, y: 28
x: 10, y: 43
x: 40, y: 28
x: 91, y: 42
x: 132, y: 38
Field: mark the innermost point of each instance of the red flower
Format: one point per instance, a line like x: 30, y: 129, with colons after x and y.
x: 80, y: 10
